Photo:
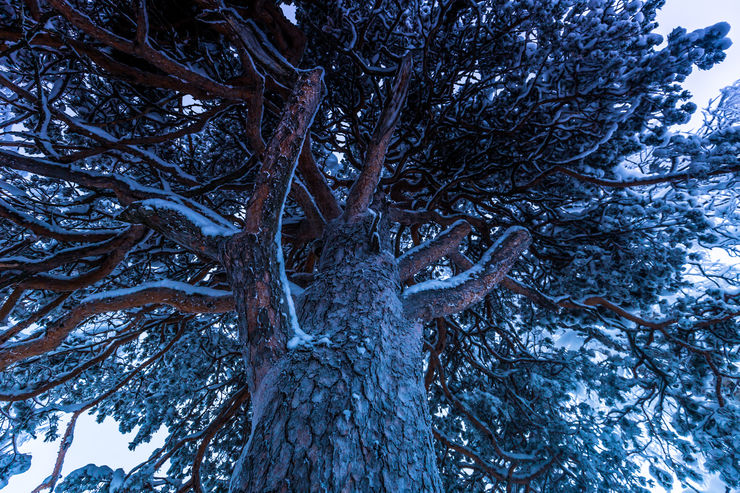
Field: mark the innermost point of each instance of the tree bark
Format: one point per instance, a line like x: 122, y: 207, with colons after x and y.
x: 348, y: 411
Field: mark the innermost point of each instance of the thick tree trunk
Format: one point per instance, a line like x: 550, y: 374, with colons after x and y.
x: 347, y: 412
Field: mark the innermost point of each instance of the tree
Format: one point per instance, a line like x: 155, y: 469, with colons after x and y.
x: 408, y: 246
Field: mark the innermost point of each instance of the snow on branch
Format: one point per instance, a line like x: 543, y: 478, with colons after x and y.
x: 198, y: 230
x: 182, y: 296
x: 316, y: 183
x: 126, y: 189
x: 49, y: 230
x: 361, y: 194
x: 155, y: 57
x: 635, y: 182
x: 63, y: 283
x: 267, y: 319
x: 259, y: 47
x: 464, y: 263
x: 422, y: 255
x: 278, y: 165
x: 434, y: 298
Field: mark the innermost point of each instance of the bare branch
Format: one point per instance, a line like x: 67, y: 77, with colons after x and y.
x: 434, y: 298
x: 464, y: 263
x: 316, y: 184
x: 35, y: 317
x: 361, y: 194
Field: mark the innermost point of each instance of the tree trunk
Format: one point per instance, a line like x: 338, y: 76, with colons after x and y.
x: 347, y: 412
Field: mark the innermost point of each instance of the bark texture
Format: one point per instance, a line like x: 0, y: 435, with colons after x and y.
x: 348, y: 412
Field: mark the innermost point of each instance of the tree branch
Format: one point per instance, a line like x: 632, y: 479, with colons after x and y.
x: 68, y: 255
x: 314, y: 218
x: 41, y: 228
x: 273, y: 179
x: 422, y: 255
x: 60, y: 284
x: 168, y: 65
x: 254, y: 257
x: 434, y: 298
x: 126, y: 189
x: 316, y: 184
x: 200, y: 231
x: 636, y: 182
x: 361, y: 194
x: 464, y: 263
x: 184, y: 297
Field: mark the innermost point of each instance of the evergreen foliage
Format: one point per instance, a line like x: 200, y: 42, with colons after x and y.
x: 613, y: 341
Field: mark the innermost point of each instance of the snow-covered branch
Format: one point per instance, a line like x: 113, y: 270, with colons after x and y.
x: 434, y: 298
x: 201, y: 230
x: 281, y: 156
x: 655, y: 179
x: 267, y: 319
x: 155, y: 57
x: 125, y: 189
x: 60, y: 283
x: 316, y: 184
x: 49, y: 230
x: 422, y: 255
x: 464, y: 263
x: 182, y: 296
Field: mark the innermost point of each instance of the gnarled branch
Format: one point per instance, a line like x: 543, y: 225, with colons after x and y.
x: 275, y: 174
x: 184, y: 297
x: 41, y: 228
x: 361, y: 194
x: 200, y: 231
x: 254, y: 257
x: 422, y: 255
x: 434, y: 298
x: 316, y: 184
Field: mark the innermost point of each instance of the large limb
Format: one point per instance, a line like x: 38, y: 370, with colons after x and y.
x: 432, y: 299
x: 253, y: 258
x: 184, y: 297
x: 423, y: 255
x: 464, y: 263
x: 185, y: 222
x: 361, y: 194
x: 316, y: 184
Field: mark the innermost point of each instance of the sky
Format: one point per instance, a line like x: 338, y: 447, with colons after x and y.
x: 696, y: 14
x: 103, y: 444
